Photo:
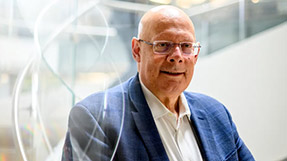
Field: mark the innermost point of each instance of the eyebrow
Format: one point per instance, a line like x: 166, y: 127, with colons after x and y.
x: 168, y: 37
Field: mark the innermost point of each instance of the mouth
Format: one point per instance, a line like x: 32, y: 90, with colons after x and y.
x: 171, y: 73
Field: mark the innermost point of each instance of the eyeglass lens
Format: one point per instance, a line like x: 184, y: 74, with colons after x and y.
x: 165, y: 47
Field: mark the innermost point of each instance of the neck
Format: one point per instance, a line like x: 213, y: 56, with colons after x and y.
x: 171, y: 104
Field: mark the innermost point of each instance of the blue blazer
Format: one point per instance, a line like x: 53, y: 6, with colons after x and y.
x: 95, y: 125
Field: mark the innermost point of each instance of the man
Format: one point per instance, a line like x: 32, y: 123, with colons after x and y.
x: 150, y: 117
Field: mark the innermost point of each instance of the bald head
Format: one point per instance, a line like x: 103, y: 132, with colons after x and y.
x: 162, y: 17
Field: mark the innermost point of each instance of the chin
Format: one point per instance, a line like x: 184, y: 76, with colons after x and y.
x: 172, y: 89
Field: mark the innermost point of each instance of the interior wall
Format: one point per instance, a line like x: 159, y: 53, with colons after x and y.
x: 250, y: 79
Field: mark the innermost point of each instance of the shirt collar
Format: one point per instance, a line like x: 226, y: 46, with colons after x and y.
x: 158, y: 109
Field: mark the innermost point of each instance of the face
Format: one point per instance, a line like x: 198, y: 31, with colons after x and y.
x: 165, y: 75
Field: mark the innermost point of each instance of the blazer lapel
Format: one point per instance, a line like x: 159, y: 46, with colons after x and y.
x: 202, y: 128
x: 145, y: 123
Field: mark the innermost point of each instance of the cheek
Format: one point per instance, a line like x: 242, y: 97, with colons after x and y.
x: 191, y: 61
x: 150, y: 66
x: 191, y: 58
x: 154, y: 62
x: 190, y: 67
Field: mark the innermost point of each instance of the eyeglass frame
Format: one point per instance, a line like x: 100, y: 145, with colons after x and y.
x: 195, y: 45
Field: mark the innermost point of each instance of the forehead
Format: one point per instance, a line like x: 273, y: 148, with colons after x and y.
x: 163, y: 26
x: 174, y: 34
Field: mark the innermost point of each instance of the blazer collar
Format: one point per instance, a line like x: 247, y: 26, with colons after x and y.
x: 201, y: 127
x: 145, y: 123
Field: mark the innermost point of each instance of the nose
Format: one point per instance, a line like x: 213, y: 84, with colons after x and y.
x: 175, y: 56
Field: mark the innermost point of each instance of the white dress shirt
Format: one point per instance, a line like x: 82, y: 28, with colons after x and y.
x: 176, y: 134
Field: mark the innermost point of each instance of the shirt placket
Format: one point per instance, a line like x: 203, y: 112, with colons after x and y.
x: 182, y: 144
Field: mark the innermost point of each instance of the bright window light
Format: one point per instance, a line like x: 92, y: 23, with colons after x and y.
x: 188, y: 3
x: 255, y: 1
x: 161, y: 1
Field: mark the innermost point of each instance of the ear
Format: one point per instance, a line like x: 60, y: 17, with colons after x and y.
x: 136, y: 49
x: 196, y: 56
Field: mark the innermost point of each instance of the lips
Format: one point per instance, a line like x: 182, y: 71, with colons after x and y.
x: 172, y: 73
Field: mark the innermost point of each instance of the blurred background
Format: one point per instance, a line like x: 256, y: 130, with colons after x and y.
x: 54, y: 53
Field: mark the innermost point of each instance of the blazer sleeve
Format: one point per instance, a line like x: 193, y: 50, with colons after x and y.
x: 85, y: 138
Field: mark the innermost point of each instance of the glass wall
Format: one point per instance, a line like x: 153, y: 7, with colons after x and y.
x: 54, y: 53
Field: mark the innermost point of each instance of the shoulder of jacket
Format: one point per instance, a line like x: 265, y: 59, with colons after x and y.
x: 204, y: 102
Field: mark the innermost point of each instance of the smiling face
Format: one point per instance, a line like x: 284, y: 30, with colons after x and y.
x: 165, y: 75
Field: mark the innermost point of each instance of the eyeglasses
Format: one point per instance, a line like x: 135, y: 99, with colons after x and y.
x: 164, y: 47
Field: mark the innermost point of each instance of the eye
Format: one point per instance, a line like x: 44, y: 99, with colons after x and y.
x: 162, y: 46
x: 186, y: 45
x: 187, y: 48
